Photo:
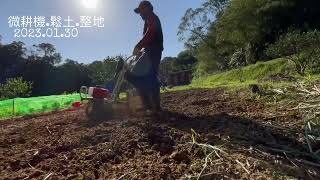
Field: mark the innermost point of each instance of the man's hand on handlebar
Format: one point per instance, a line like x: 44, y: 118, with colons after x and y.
x: 137, y: 51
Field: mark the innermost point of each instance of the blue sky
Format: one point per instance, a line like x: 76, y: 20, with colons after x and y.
x: 123, y: 28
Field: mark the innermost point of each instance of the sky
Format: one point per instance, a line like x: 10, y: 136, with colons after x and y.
x: 122, y: 27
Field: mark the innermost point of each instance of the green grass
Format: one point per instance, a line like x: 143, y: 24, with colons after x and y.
x: 252, y: 74
x: 28, y: 106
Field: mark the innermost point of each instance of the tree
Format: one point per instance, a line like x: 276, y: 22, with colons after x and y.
x: 47, y: 52
x: 67, y: 77
x: 215, y: 35
x: 213, y: 58
x: 302, y: 48
x: 196, y: 22
x: 186, y: 59
x: 11, y: 55
x: 167, y: 66
x: 101, y: 72
x: 38, y: 72
x: 15, y: 87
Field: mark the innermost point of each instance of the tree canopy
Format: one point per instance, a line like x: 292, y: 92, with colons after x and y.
x: 42, y: 66
x: 220, y: 28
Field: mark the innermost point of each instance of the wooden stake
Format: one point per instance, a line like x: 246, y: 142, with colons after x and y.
x: 13, y: 110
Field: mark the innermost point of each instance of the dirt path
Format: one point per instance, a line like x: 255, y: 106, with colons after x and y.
x: 66, y: 145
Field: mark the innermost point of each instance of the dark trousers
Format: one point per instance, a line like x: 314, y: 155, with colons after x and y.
x: 148, y: 86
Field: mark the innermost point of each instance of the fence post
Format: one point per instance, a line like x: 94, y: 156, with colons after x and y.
x: 13, y: 110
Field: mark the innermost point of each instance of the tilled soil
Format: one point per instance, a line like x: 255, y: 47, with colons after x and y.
x: 252, y: 142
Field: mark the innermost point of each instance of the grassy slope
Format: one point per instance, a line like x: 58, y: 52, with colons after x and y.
x: 252, y: 74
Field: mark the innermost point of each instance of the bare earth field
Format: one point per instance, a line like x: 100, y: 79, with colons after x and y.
x: 250, y: 142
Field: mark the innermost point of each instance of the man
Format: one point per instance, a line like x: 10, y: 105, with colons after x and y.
x: 145, y: 73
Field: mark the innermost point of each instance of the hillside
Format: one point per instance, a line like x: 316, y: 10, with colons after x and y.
x: 275, y: 73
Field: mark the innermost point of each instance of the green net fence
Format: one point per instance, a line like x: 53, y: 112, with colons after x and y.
x: 28, y: 106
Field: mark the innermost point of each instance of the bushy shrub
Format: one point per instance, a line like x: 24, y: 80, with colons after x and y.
x: 15, y: 87
x: 302, y: 48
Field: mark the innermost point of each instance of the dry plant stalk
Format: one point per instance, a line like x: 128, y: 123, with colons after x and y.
x: 307, y: 100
